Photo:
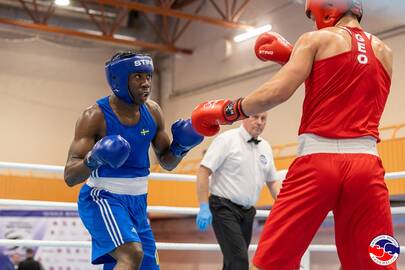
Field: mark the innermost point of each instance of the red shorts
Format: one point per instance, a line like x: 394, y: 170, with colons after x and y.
x: 352, y: 186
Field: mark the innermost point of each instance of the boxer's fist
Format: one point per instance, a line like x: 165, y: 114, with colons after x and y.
x: 111, y: 150
x: 207, y: 116
x: 272, y: 46
x: 184, y: 137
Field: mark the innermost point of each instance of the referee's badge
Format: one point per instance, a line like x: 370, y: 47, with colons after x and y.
x: 263, y: 159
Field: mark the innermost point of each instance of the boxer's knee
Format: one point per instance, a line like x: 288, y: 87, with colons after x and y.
x: 129, y: 255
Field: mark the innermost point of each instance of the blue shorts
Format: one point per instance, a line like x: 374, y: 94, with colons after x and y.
x: 114, y: 219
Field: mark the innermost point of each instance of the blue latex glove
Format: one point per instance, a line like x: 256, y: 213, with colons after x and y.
x: 204, y: 217
x: 111, y: 150
x: 184, y: 137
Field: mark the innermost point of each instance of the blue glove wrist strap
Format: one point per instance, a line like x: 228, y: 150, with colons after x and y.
x: 177, y: 150
x: 90, y: 162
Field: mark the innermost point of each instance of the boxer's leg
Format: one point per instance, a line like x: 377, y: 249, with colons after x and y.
x: 308, y: 193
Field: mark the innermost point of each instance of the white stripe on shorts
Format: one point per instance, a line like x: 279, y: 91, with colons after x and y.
x: 110, y: 218
x: 107, y: 206
x: 105, y: 217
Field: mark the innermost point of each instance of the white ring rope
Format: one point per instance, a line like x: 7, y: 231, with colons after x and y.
x: 152, y: 176
x: 151, y: 209
x: 160, y: 245
x: 73, y: 206
x: 59, y: 170
x: 87, y: 244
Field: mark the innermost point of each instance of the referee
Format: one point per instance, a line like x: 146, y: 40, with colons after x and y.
x: 239, y: 163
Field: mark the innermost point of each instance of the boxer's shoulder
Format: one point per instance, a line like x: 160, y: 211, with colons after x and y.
x: 153, y: 106
x: 380, y: 47
x: 313, y: 38
x: 92, y: 114
x: 92, y: 120
x: 155, y: 110
x: 384, y: 53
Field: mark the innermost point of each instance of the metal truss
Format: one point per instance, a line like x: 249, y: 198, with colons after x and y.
x: 109, y: 15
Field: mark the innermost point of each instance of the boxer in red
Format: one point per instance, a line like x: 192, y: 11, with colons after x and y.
x: 347, y: 74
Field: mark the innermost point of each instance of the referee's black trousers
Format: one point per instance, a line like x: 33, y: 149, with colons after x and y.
x: 232, y: 225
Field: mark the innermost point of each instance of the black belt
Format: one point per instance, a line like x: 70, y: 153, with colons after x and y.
x: 231, y: 202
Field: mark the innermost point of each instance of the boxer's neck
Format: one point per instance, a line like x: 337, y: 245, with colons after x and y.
x: 349, y: 21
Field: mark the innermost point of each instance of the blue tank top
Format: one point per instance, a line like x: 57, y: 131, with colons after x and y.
x: 139, y: 137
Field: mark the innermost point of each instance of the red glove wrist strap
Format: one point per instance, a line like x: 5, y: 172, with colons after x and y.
x: 234, y: 112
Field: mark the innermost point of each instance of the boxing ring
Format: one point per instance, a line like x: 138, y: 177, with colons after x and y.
x: 189, y: 247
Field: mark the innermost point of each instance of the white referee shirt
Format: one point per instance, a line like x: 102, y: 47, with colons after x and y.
x: 239, y: 169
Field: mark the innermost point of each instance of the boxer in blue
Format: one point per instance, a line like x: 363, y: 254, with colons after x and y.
x: 110, y: 150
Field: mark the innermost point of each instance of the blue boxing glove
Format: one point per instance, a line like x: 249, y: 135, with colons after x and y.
x: 111, y: 150
x: 204, y: 217
x: 184, y: 137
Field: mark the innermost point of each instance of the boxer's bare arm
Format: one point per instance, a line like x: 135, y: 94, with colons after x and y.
x: 283, y: 85
x: 89, y: 127
x: 161, y: 142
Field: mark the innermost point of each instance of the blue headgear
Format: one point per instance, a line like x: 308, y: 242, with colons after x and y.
x: 121, y: 66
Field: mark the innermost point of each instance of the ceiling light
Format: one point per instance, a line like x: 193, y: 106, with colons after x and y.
x: 62, y: 2
x: 252, y: 33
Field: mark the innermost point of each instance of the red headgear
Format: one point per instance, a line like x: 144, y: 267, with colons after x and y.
x: 328, y: 12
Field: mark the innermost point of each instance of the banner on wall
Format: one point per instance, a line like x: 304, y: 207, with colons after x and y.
x: 46, y: 225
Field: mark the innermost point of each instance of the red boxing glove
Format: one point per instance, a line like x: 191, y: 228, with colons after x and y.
x: 207, y: 116
x: 272, y: 46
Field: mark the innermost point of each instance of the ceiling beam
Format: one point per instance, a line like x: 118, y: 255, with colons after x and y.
x: 218, y: 9
x: 181, y: 4
x: 92, y: 17
x: 48, y: 13
x: 172, y: 13
x: 177, y: 35
x: 33, y: 15
x: 241, y: 9
x: 109, y: 39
